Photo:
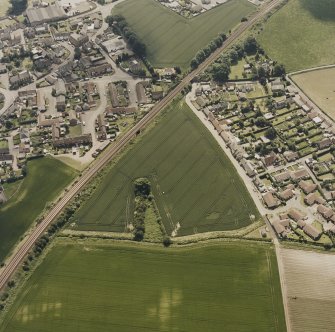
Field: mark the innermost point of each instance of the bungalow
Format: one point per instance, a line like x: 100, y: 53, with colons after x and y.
x: 291, y: 156
x: 270, y: 200
x: 312, y: 232
x: 126, y: 111
x: 102, y: 132
x: 99, y: 70
x: 140, y: 93
x: 42, y: 122
x: 296, y: 215
x: 270, y: 159
x: 325, y: 143
x: 307, y: 187
x: 6, y: 159
x: 248, y: 168
x: 157, y: 92
x: 281, y: 177
x: 300, y: 174
x: 286, y: 194
x: 20, y: 79
x: 60, y: 103
x: 313, y: 198
x: 281, y: 227
x: 78, y: 40
x: 73, y: 141
x: 325, y: 211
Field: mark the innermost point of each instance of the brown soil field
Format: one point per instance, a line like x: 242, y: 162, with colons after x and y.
x: 310, y: 281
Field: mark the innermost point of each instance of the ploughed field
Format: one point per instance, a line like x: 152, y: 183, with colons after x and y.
x: 319, y: 86
x: 300, y: 35
x: 310, y: 289
x: 173, y: 40
x: 122, y: 287
x: 193, y: 182
x: 28, y: 197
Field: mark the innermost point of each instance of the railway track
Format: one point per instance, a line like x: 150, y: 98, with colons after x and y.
x: 16, y: 259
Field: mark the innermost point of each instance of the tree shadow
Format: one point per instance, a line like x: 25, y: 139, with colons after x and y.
x: 320, y: 9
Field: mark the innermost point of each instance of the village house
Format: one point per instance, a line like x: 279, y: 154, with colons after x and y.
x: 20, y: 79
x: 6, y: 159
x: 157, y: 92
x: 78, y: 40
x: 307, y: 187
x: 68, y: 142
x: 286, y: 194
x: 300, y: 174
x: 270, y: 159
x: 312, y: 232
x: 102, y: 131
x: 270, y: 200
x: 282, y: 227
x: 314, y: 198
x: 282, y: 177
x: 325, y: 211
x: 296, y: 215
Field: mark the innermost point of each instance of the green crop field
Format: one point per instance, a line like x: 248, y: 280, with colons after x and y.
x: 173, y: 40
x: 45, y: 180
x: 299, y: 34
x: 319, y: 85
x: 193, y: 181
x: 96, y: 287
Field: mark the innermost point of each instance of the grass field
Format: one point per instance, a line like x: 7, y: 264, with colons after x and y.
x: 298, y: 35
x: 319, y: 86
x: 310, y: 289
x: 173, y: 40
x: 45, y: 180
x: 4, y: 5
x: 92, y: 287
x: 193, y: 181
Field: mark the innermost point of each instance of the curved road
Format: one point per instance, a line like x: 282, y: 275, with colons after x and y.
x: 15, y: 260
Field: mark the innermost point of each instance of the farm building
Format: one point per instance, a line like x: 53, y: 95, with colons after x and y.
x: 52, y: 13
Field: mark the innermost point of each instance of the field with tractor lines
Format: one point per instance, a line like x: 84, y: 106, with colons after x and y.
x: 299, y: 34
x: 127, y: 287
x: 310, y: 286
x: 46, y: 178
x: 173, y: 40
x: 194, y: 183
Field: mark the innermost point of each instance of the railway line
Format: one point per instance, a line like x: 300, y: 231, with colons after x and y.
x: 16, y: 259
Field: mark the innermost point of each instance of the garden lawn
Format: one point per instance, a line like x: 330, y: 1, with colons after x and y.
x: 300, y: 35
x: 173, y: 40
x: 124, y: 288
x: 46, y: 178
x: 194, y: 183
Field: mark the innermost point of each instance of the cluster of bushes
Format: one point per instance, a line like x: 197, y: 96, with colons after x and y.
x: 121, y: 27
x: 142, y: 190
x: 208, y: 50
x: 18, y: 7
